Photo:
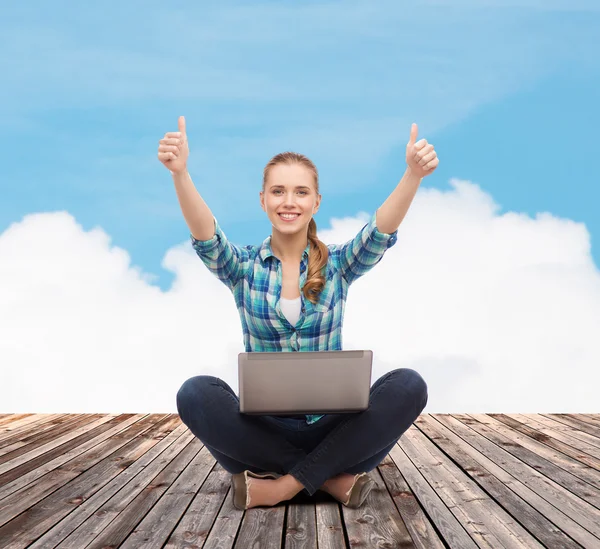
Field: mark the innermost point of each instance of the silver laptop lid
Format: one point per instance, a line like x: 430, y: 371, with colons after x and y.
x: 308, y: 382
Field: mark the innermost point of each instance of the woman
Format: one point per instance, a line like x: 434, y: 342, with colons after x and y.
x: 291, y: 292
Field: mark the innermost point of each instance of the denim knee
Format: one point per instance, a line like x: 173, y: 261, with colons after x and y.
x: 413, y: 383
x: 192, y: 393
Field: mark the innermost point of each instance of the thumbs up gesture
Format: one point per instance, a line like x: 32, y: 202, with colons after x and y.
x: 421, y: 157
x: 173, y: 149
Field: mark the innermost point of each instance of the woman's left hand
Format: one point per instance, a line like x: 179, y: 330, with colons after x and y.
x: 421, y: 158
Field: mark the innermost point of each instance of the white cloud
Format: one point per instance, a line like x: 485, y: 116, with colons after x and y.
x: 499, y: 313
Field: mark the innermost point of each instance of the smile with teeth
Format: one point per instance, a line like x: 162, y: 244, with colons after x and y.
x: 288, y: 216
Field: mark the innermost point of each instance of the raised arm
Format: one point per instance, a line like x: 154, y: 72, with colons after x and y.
x: 225, y: 260
x: 359, y: 255
x: 196, y: 212
x: 173, y: 152
x: 421, y: 160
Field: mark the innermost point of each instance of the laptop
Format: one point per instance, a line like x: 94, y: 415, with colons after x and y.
x: 307, y: 382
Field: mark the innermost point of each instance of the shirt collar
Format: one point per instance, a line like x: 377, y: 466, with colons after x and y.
x: 266, y: 251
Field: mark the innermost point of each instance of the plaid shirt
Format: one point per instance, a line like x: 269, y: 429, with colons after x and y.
x: 253, y: 274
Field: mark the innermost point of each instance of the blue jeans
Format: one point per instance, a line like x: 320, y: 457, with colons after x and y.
x: 312, y: 453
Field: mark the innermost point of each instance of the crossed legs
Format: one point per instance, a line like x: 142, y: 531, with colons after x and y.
x: 337, y: 443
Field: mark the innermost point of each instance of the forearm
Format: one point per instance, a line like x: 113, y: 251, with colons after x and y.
x: 391, y: 213
x: 195, y: 211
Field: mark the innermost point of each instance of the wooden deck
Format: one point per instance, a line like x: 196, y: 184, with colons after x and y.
x: 144, y: 481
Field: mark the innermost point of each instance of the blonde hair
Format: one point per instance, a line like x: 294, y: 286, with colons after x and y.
x: 318, y: 254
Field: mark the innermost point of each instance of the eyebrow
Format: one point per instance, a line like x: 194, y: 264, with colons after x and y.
x: 297, y: 187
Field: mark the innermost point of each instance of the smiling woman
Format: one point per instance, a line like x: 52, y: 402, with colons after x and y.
x: 290, y: 197
x: 265, y: 467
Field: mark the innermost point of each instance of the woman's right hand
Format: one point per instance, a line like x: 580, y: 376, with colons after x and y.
x: 173, y: 150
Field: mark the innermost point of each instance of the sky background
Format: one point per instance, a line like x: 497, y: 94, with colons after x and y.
x: 492, y: 291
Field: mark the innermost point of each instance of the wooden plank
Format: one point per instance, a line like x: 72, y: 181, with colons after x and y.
x: 148, y: 520
x: 301, y: 526
x: 594, y: 419
x: 522, y: 503
x: 560, y: 459
x: 377, y: 523
x: 422, y: 532
x: 573, y: 421
x: 482, y: 517
x: 140, y: 493
x: 555, y: 439
x: 262, y: 528
x: 580, y: 512
x: 444, y: 520
x: 520, y: 447
x: 29, y: 432
x: 132, y: 513
x: 330, y: 532
x: 194, y: 527
x: 45, y: 450
x: 586, y: 418
x: 26, y: 425
x: 34, y: 468
x: 30, y: 443
x: 226, y: 526
x: 11, y: 418
x: 45, y: 442
x: 567, y: 430
x: 85, y: 522
x: 25, y: 516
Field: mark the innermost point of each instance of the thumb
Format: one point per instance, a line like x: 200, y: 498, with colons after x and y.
x: 182, y: 125
x: 414, y: 130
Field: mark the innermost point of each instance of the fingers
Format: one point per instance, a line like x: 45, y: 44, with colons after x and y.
x: 169, y: 147
x: 170, y: 144
x: 171, y: 141
x: 164, y: 147
x: 433, y: 164
x: 163, y: 156
x: 425, y: 156
x: 420, y: 153
x: 422, y: 143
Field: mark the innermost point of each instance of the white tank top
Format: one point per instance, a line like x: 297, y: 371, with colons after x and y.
x: 291, y: 309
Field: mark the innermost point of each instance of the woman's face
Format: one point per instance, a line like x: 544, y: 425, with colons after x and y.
x: 290, y: 188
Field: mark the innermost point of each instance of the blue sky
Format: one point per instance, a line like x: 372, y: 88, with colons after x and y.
x: 506, y: 91
x: 498, y: 251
